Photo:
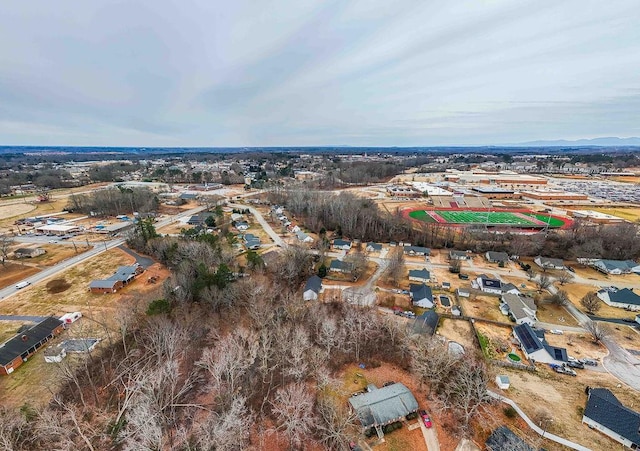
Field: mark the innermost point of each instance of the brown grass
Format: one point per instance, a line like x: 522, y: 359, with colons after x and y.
x: 577, y: 292
x: 11, y: 273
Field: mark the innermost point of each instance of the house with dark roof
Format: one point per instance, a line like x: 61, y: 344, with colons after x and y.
x: 458, y: 255
x: 605, y: 413
x: 425, y: 324
x: 497, y: 257
x: 419, y: 275
x: 521, y: 309
x: 549, y: 263
x: 374, y: 247
x: 241, y: 226
x: 344, y: 245
x: 199, y: 219
x: 621, y: 298
x: 503, y: 439
x: 417, y: 250
x: 616, y: 267
x: 536, y: 348
x: 340, y: 266
x: 421, y: 295
x: 382, y: 406
x: 23, y: 345
x: 251, y: 241
x: 488, y: 285
x: 312, y: 288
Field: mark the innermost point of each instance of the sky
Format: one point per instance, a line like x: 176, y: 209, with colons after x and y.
x: 313, y: 73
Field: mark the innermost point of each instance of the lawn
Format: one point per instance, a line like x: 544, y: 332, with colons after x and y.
x: 421, y: 215
x: 553, y: 222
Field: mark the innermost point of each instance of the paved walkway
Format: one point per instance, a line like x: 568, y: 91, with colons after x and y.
x: 535, y: 427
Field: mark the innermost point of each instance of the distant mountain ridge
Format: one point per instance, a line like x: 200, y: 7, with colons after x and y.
x: 596, y: 142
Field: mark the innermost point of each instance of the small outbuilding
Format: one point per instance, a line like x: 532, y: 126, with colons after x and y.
x: 54, y: 354
x: 28, y: 252
x: 502, y: 381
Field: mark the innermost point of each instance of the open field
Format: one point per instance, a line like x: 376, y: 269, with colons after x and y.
x: 54, y: 255
x: 35, y: 378
x: 12, y: 211
x: 36, y: 209
x: 630, y: 214
x: 563, y: 397
x: 626, y: 336
x: 14, y: 272
x: 577, y: 292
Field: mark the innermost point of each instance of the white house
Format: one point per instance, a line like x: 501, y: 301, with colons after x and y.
x: 312, y: 288
x: 421, y: 295
x: 487, y: 285
x: 303, y: 237
x: 344, y: 245
x: 605, y: 413
x: 549, y: 263
x: 419, y: 275
x: 522, y: 309
x: 535, y: 348
x: 617, y: 267
x: 624, y: 298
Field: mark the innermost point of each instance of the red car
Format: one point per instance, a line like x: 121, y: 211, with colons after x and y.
x: 425, y: 418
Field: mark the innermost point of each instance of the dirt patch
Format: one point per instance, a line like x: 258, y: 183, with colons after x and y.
x: 564, y: 398
x: 457, y: 330
x: 58, y: 286
x: 12, y: 273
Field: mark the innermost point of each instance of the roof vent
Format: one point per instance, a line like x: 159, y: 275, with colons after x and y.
x: 24, y: 338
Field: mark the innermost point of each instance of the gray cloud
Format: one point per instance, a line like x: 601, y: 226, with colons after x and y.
x: 169, y: 72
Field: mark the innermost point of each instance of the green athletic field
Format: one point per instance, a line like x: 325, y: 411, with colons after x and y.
x: 495, y: 218
x: 421, y: 215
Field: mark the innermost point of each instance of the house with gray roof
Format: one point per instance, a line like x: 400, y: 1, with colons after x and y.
x: 510, y: 288
x: 419, y: 275
x: 303, y: 237
x: 497, y: 257
x: 421, y: 295
x: 503, y: 439
x: 374, y: 247
x: 417, y: 250
x: 312, y: 288
x: 617, y: 267
x: 621, y: 298
x: 340, y: 266
x: 605, y: 413
x: 521, y: 309
x: 425, y: 324
x: 536, y: 348
x: 549, y: 263
x: 344, y: 245
x: 382, y: 406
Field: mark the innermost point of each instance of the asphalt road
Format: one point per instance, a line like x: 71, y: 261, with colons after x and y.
x: 103, y: 247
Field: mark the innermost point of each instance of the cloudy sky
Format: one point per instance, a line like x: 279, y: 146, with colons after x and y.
x: 303, y: 72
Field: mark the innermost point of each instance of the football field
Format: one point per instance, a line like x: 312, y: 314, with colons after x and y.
x: 523, y: 219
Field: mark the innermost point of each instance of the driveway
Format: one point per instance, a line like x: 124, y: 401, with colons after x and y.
x: 430, y: 437
x: 145, y: 262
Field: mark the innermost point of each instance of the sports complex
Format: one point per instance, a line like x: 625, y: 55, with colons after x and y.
x: 522, y: 219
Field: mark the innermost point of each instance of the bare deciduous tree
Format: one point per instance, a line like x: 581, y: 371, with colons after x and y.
x: 560, y: 298
x: 358, y: 260
x: 226, y: 430
x: 293, y: 409
x: 336, y: 423
x: 431, y: 363
x: 395, y: 265
x: 565, y: 277
x: 598, y: 331
x: 543, y: 282
x: 5, y: 243
x: 591, y: 303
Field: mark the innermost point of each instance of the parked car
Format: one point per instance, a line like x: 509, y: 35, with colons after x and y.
x: 53, y: 241
x: 409, y: 314
x: 386, y: 384
x: 590, y: 362
x: 556, y: 332
x: 563, y: 369
x: 575, y: 364
x: 570, y: 269
x: 629, y: 320
x: 425, y: 418
x: 463, y: 276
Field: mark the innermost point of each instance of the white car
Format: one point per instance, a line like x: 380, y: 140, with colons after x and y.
x: 556, y: 332
x: 53, y: 241
x: 22, y: 285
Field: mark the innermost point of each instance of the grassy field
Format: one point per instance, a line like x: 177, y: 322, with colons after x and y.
x: 421, y: 215
x: 553, y: 222
x: 12, y: 273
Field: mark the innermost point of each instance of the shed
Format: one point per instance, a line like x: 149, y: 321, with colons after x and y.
x: 54, y: 354
x: 28, y: 252
x: 502, y: 381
